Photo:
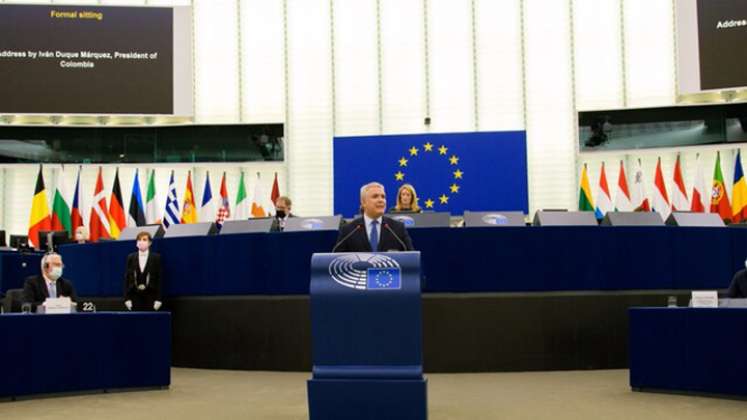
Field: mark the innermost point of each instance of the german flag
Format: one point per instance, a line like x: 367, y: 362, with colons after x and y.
x: 116, y: 209
x: 40, y: 218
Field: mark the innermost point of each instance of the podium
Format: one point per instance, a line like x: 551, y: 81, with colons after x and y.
x: 366, y: 328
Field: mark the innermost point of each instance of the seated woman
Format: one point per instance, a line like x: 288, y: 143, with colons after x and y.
x: 81, y: 235
x: 407, y: 200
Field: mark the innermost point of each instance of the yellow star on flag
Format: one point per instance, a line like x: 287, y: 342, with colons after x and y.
x: 402, y: 161
x: 429, y: 203
x: 442, y: 150
x: 428, y: 147
x: 458, y: 174
x: 454, y: 160
x: 413, y: 151
x: 444, y: 199
x: 454, y: 188
x: 399, y: 176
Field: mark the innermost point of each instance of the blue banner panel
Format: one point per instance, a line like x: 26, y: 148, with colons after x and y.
x: 452, y: 172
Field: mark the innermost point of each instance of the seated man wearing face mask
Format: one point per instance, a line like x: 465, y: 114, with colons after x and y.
x: 282, y: 213
x: 143, y: 277
x: 49, y: 284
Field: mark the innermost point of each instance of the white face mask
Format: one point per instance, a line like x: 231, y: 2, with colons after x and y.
x: 143, y: 245
x: 79, y: 236
x: 55, y: 273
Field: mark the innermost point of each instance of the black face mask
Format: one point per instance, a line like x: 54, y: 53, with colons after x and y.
x: 280, y: 214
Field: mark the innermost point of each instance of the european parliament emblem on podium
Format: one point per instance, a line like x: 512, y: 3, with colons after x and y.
x: 366, y: 337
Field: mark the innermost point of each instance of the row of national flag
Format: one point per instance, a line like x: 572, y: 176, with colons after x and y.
x: 701, y: 199
x: 107, y: 220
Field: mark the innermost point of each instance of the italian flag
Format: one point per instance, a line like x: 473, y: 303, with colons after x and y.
x: 151, y: 206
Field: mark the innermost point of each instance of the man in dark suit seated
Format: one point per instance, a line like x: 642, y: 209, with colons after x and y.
x: 282, y: 213
x: 143, y: 277
x: 373, y: 231
x: 50, y: 284
x: 738, y: 286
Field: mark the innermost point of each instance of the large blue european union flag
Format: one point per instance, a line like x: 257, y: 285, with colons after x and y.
x: 482, y: 171
x: 383, y: 278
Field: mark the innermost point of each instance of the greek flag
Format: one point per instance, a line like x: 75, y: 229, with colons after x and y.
x: 171, y: 213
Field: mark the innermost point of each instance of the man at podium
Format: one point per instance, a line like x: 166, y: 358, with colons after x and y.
x: 373, y: 231
x: 50, y: 284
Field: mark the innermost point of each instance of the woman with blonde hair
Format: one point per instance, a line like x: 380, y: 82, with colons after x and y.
x: 407, y: 200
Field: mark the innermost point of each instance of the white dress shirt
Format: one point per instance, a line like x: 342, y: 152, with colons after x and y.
x: 143, y: 259
x: 368, y: 221
x: 51, y: 285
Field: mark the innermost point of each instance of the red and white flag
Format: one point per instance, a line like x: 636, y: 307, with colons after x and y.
x: 99, y: 223
x: 701, y: 194
x: 638, y: 194
x: 604, y: 199
x: 622, y: 196
x: 275, y: 190
x: 679, y: 194
x: 224, y: 211
x: 661, y: 199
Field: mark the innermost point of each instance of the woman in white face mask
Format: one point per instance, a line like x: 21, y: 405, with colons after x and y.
x: 143, y: 277
x: 81, y: 235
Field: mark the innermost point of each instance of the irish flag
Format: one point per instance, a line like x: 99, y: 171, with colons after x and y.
x: 39, y: 219
x: 60, y: 208
x: 242, y: 201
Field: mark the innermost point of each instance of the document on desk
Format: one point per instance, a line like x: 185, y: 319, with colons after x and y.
x: 60, y: 305
x: 705, y: 299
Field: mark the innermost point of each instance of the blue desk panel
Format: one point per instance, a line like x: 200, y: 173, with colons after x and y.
x: 15, y: 267
x: 45, y: 354
x: 453, y: 260
x: 699, y: 350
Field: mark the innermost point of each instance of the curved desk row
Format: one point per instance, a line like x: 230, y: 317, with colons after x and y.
x: 526, y: 259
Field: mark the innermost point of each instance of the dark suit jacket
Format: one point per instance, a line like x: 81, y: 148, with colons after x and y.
x: 358, y: 240
x: 151, y: 277
x: 276, y: 223
x: 35, y: 290
x: 738, y: 286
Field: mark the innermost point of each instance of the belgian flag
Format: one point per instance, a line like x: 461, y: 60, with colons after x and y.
x: 117, y: 220
x: 40, y: 219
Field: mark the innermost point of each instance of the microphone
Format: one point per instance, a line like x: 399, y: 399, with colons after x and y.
x: 386, y: 225
x: 357, y: 227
